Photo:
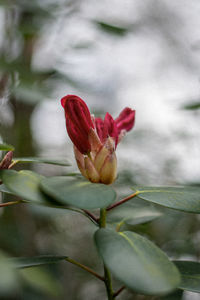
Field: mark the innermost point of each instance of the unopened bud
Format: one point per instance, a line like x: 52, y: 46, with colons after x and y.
x: 6, y: 161
x: 100, y: 158
x: 95, y: 140
x: 91, y: 172
x: 108, y: 172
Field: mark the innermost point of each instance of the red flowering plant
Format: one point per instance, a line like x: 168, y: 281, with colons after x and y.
x: 131, y: 258
x: 95, y: 140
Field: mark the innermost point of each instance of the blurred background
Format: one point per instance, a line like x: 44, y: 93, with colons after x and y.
x: 141, y: 54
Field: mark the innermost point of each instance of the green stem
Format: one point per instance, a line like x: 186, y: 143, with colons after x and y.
x: 108, y: 283
x: 102, y: 221
x: 107, y: 275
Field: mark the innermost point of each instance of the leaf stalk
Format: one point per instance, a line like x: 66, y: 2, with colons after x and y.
x: 74, y: 262
x: 107, y: 275
x: 122, y: 201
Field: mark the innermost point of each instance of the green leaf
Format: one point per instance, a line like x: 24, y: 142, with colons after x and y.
x: 132, y: 215
x: 27, y: 262
x: 180, y: 198
x: 177, y: 295
x: 112, y: 29
x: 4, y: 189
x: 42, y: 160
x: 190, y: 273
x: 6, y: 147
x: 42, y: 280
x: 78, y: 192
x: 193, y: 106
x: 8, y: 276
x: 29, y: 94
x: 24, y: 184
x: 137, y: 262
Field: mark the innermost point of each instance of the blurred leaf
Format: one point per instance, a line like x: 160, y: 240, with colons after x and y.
x: 4, y: 3
x: 42, y: 280
x: 51, y: 212
x: 41, y: 160
x: 8, y: 276
x: 24, y: 184
x: 177, y: 295
x: 27, y: 262
x: 32, y: 7
x: 29, y: 94
x: 133, y: 215
x: 112, y: 29
x: 137, y: 262
x: 6, y: 147
x: 180, y: 198
x: 78, y: 193
x: 195, y: 105
x: 4, y: 189
x: 190, y: 274
x: 32, y: 86
x: 27, y: 75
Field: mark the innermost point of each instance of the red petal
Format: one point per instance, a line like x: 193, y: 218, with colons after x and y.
x: 81, y: 143
x: 78, y: 121
x: 126, y: 120
x: 110, y: 128
x: 106, y: 128
x: 99, y: 127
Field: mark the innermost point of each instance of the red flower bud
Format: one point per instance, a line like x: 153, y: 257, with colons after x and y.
x: 78, y: 121
x: 6, y: 161
x: 94, y: 139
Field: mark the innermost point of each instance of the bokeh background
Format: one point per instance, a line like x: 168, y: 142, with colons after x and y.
x: 111, y: 53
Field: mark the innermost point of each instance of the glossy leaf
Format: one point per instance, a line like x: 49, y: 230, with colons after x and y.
x: 78, y: 193
x: 137, y: 262
x: 132, y: 215
x: 24, y: 184
x: 190, y: 274
x: 27, y: 262
x: 180, y: 198
x: 6, y: 147
x: 41, y: 160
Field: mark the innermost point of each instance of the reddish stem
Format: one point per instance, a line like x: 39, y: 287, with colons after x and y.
x: 122, y: 201
x: 91, y: 215
x: 9, y: 203
x: 119, y: 291
x: 85, y: 268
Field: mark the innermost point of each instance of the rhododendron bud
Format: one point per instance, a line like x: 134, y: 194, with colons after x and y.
x: 95, y: 140
x: 6, y: 161
x: 78, y: 122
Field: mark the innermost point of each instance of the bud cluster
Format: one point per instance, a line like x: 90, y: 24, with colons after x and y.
x: 95, y: 140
